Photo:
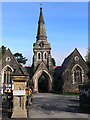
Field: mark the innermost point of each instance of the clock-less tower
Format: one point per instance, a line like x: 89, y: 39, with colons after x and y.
x: 42, y: 55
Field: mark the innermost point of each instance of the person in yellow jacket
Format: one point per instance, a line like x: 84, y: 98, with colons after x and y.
x: 29, y: 94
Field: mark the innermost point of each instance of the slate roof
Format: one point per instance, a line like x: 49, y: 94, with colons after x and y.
x: 29, y: 71
x: 67, y: 59
x: 18, y: 68
x: 57, y: 69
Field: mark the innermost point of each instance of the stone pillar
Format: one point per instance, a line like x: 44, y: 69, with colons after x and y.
x: 36, y: 85
x: 50, y: 85
x: 19, y: 97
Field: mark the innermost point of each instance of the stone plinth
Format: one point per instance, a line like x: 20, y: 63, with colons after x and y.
x: 19, y: 97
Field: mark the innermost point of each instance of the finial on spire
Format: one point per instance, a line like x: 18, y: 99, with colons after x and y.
x: 40, y: 6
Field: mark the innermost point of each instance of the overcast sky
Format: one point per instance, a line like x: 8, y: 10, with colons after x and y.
x: 66, y: 27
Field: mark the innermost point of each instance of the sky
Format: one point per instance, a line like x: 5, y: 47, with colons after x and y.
x: 66, y: 25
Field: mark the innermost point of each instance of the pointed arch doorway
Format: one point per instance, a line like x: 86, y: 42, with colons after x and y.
x: 43, y: 83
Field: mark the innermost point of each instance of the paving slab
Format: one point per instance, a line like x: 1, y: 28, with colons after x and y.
x: 47, y: 105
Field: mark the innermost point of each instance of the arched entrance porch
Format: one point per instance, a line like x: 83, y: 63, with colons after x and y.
x: 42, y: 81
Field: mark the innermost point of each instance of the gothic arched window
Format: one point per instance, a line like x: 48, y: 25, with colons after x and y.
x: 41, y: 44
x: 77, y: 74
x: 7, y: 75
x: 39, y: 56
x: 45, y: 56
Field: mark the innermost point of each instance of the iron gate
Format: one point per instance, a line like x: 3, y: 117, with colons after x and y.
x: 6, y: 106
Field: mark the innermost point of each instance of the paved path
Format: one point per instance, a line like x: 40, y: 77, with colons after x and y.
x: 46, y: 105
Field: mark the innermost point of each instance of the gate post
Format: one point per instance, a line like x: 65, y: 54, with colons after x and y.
x: 0, y: 89
x: 19, y: 97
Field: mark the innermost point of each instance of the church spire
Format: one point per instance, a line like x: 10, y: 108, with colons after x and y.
x: 41, y: 33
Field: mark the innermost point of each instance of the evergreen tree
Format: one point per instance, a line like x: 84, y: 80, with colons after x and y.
x: 20, y: 58
x: 53, y: 62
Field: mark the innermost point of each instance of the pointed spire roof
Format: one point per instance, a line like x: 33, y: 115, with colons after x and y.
x: 41, y: 33
x: 41, y: 16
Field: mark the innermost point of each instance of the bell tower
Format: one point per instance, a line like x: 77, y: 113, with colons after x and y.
x: 42, y: 58
x: 41, y: 48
